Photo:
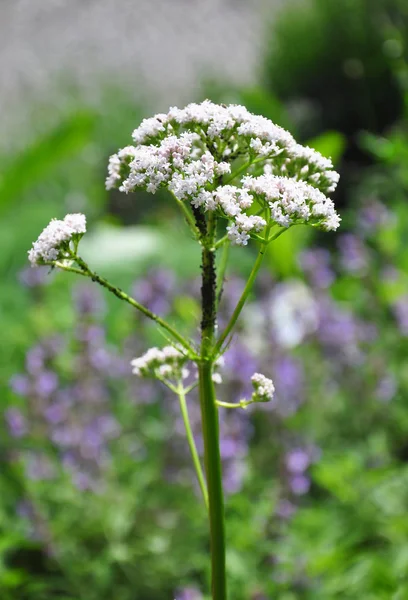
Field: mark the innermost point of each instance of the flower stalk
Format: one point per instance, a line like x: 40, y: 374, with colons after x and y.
x: 209, y: 418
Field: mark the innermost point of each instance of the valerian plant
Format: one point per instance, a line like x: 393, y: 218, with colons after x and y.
x: 236, y: 177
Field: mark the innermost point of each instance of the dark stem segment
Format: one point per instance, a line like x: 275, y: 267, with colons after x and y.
x: 210, y: 425
x: 208, y: 295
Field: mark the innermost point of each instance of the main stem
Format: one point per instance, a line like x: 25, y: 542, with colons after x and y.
x: 210, y: 425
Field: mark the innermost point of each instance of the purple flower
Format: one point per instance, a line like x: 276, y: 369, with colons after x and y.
x: 233, y: 476
x: 91, y: 334
x: 16, y: 422
x: 155, y: 290
x: 55, y: 413
x: 33, y: 278
x: 100, y: 358
x: 88, y: 300
x: 353, y: 254
x: 240, y: 366
x: 39, y: 467
x: 20, y: 384
x: 299, y: 484
x: 289, y: 383
x: 297, y: 460
x: 82, y: 481
x: 316, y: 265
x: 371, y: 216
x: 338, y: 329
x: 386, y: 388
x: 46, y: 383
x: 285, y: 509
x: 35, y: 358
x: 400, y: 310
x: 188, y: 593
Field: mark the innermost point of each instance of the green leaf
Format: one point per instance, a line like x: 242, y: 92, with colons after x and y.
x: 40, y: 158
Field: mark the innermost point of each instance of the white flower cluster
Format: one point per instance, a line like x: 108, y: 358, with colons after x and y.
x: 312, y: 167
x: 53, y: 242
x: 288, y: 200
x: 292, y: 201
x: 263, y: 388
x: 189, y: 150
x: 175, y: 163
x: 215, y: 121
x: 164, y: 363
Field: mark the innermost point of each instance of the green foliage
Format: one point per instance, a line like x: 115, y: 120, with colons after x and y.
x: 329, y: 57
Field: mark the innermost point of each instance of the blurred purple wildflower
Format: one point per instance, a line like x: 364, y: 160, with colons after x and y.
x: 354, y: 257
x: 20, y: 384
x: 400, y: 309
x: 285, y: 509
x: 88, y: 300
x: 33, y: 278
x: 16, y: 422
x: 288, y: 376
x: 386, y: 388
x: 371, y: 216
x: 188, y: 593
x: 316, y: 265
x: 156, y: 290
x: 299, y: 484
x: 297, y: 460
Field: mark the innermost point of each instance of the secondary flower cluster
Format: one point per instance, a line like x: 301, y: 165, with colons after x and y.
x: 165, y: 363
x: 176, y: 163
x: 53, y: 242
x: 189, y: 151
x: 263, y: 388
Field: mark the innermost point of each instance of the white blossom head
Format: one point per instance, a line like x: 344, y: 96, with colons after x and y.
x: 264, y: 389
x: 225, y: 159
x: 166, y: 363
x: 54, y: 243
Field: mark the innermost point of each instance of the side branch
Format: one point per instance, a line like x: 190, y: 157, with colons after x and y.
x: 241, y: 301
x: 119, y: 293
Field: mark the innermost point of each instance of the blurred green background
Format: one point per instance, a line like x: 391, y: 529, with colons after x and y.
x: 98, y: 498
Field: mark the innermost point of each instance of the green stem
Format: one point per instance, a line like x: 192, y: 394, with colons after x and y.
x: 188, y: 215
x: 221, y: 271
x: 242, y: 300
x: 190, y: 438
x: 212, y: 457
x: 221, y: 241
x: 242, y: 404
x: 245, y: 167
x: 85, y: 270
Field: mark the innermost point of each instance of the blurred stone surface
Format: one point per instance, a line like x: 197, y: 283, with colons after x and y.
x: 161, y: 49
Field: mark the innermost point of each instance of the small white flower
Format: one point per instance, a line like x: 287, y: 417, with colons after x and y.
x: 293, y: 201
x: 77, y: 222
x: 167, y: 363
x: 264, y: 389
x: 53, y: 243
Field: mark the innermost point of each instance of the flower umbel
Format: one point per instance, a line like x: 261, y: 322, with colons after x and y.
x: 197, y: 151
x: 166, y: 363
x: 263, y: 388
x: 54, y: 242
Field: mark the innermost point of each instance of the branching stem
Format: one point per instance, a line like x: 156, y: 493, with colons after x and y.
x: 86, y: 271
